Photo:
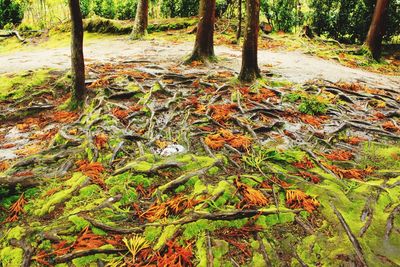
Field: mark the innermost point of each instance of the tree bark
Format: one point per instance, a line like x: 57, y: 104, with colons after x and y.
x: 239, y: 27
x: 377, y: 28
x: 77, y: 60
x: 141, y: 20
x: 250, y: 70
x: 204, y: 45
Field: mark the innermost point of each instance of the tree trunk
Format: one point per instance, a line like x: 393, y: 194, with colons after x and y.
x: 250, y: 70
x: 239, y: 29
x: 77, y: 60
x: 204, y: 45
x: 377, y: 28
x: 141, y: 20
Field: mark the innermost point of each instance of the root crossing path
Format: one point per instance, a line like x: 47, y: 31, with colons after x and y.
x: 294, y: 66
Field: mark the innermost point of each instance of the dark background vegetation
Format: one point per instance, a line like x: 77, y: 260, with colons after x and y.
x: 344, y: 20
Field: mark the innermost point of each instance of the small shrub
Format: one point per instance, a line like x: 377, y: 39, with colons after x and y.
x: 312, y: 106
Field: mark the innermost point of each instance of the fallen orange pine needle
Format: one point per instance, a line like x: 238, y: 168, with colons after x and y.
x: 16, y: 209
x: 93, y: 170
x: 351, y: 173
x: 305, y: 164
x: 100, y: 140
x: 390, y: 126
x: 173, y: 206
x: 251, y: 196
x: 354, y: 140
x: 296, y: 199
x: 339, y: 155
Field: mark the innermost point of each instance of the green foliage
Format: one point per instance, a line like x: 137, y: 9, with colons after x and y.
x: 260, y: 155
x: 309, y: 104
x: 107, y: 9
x: 312, y: 106
x: 292, y: 97
x: 11, y: 12
x: 349, y: 20
x: 179, y: 8
x: 111, y: 9
x: 125, y: 9
x: 284, y: 14
x: 135, y: 244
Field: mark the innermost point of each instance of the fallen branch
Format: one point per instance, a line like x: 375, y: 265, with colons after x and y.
x: 182, y: 179
x: 390, y: 221
x: 153, y: 169
x: 82, y: 253
x: 263, y: 250
x: 112, y: 229
x: 352, y: 238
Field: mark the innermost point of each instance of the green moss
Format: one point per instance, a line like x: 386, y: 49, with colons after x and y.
x: 279, y: 83
x: 199, y: 188
x: 89, y: 191
x: 125, y: 184
x: 10, y: 256
x: 168, y: 232
x: 102, y: 25
x: 274, y: 219
x: 213, y: 171
x: 180, y: 189
x: 92, y: 259
x: 16, y: 86
x: 98, y: 231
x: 191, y: 230
x: 17, y: 233
x: 220, y: 248
x: 193, y: 162
x: 151, y: 233
x: 257, y: 260
x: 380, y: 156
x: 170, y: 24
x: 47, y: 205
x: 201, y: 254
x: 79, y: 222
x: 89, y: 198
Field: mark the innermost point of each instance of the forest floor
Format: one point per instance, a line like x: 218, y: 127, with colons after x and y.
x: 181, y: 165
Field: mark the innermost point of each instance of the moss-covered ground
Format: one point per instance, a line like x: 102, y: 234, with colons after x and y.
x: 176, y: 165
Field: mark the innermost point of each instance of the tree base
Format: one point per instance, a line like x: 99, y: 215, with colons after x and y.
x: 137, y: 35
x: 249, y: 75
x: 201, y: 58
x: 72, y: 104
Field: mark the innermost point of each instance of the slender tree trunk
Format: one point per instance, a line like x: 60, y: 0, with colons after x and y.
x: 141, y: 20
x: 77, y: 60
x: 250, y: 70
x: 377, y: 28
x: 204, y: 45
x: 239, y: 29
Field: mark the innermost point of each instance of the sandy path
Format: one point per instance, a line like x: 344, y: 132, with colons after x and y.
x: 294, y: 66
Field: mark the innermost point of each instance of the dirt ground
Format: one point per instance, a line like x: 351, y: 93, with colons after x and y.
x: 294, y: 66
